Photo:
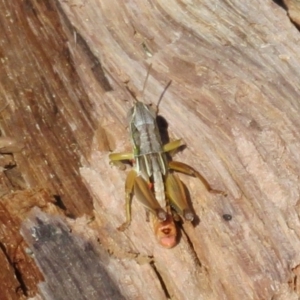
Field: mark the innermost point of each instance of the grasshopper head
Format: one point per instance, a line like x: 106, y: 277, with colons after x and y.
x: 142, y: 113
x: 165, y: 232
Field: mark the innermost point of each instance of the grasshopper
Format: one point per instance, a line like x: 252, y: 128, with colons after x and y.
x: 152, y: 167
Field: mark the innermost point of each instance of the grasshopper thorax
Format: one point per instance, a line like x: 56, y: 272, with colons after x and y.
x: 142, y: 114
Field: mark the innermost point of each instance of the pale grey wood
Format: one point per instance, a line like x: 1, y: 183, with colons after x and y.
x: 71, y: 266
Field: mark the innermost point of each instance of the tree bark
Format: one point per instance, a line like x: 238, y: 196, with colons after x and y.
x: 234, y: 100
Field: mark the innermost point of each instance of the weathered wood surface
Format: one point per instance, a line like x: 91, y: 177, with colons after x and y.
x: 293, y: 8
x: 72, y: 267
x: 234, y: 99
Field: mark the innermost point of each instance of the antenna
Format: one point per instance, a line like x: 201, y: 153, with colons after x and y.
x: 162, y: 94
x: 144, y: 87
x: 146, y: 80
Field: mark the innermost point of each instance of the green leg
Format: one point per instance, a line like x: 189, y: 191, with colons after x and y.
x: 129, y: 184
x: 176, y: 195
x: 117, y: 158
x: 172, y: 145
x: 137, y: 185
x: 188, y: 170
x: 146, y: 197
x: 120, y: 156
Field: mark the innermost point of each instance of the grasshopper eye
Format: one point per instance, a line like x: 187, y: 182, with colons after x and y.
x: 153, y: 109
x: 130, y: 114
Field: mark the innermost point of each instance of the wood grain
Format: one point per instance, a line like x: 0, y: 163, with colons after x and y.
x: 234, y: 96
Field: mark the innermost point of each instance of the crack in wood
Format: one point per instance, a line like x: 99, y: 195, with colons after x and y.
x: 17, y: 272
x: 191, y: 246
x: 160, y: 279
